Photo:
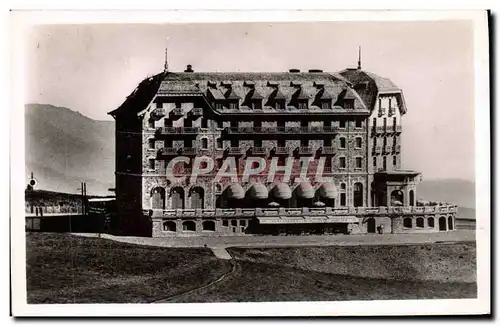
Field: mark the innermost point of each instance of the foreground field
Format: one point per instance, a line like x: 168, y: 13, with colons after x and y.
x: 437, y: 271
x: 67, y: 269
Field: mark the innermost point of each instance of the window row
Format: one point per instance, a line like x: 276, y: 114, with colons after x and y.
x: 420, y: 221
x: 382, y: 141
x: 384, y: 162
x: 279, y: 104
x: 342, y: 163
x: 203, y: 123
x: 203, y: 143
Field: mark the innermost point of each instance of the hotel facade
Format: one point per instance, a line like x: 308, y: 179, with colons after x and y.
x: 205, y: 154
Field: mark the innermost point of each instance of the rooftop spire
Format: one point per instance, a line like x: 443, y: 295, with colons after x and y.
x: 165, y: 67
x: 359, y: 57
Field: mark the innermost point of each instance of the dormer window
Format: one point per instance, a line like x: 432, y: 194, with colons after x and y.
x: 326, y: 104
x: 279, y: 105
x: 233, y: 105
x: 302, y: 105
x: 256, y: 104
x: 349, y: 104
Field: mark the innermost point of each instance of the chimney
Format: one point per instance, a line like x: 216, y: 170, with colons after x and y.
x: 189, y: 68
x: 294, y: 70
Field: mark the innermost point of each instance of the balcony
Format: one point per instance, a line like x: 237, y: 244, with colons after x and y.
x: 305, y: 150
x: 282, y: 151
x: 377, y: 149
x: 281, y: 212
x: 188, y: 150
x: 398, y: 129
x: 158, y: 113
x: 379, y: 129
x: 259, y: 150
x: 168, y: 151
x: 195, y: 113
x: 328, y: 150
x: 177, y: 130
x: 234, y: 150
x: 176, y: 112
x: 397, y: 149
x: 281, y: 130
x: 388, y: 149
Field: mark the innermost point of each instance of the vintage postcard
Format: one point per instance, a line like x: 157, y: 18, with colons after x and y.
x: 261, y: 164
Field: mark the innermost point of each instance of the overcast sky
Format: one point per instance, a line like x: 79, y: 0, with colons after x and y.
x: 92, y: 68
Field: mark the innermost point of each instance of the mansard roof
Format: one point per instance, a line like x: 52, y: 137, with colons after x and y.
x: 243, y: 86
x: 368, y: 85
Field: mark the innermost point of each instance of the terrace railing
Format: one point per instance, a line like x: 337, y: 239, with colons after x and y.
x: 305, y: 211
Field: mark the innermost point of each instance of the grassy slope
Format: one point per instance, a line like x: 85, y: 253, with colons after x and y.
x: 259, y: 282
x: 347, y: 273
x: 444, y: 262
x: 66, y: 269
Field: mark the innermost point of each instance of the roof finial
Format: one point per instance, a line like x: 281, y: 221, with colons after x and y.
x: 359, y: 57
x: 165, y: 68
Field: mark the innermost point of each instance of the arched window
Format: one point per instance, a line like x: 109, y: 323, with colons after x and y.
x: 358, y: 194
x: 359, y: 162
x: 343, y: 199
x: 151, y: 163
x: 450, y: 223
x: 342, y: 142
x: 397, y: 198
x: 219, y: 143
x: 412, y: 198
x: 442, y: 223
x: 169, y: 226
x: 188, y: 226
x: 158, y: 198
x: 370, y: 225
x: 151, y: 143
x: 208, y: 226
x: 359, y: 142
x: 407, y: 223
x: 177, y: 197
x: 430, y: 222
x: 218, y: 188
x: 204, y: 143
x: 197, y: 195
x: 420, y: 222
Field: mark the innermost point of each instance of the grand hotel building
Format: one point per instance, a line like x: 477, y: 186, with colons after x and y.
x: 350, y: 119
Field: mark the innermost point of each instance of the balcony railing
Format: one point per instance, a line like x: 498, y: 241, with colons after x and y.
x: 177, y: 130
x: 305, y: 211
x: 398, y: 129
x: 397, y: 148
x: 158, y: 113
x: 377, y: 149
x: 168, y: 151
x: 305, y: 150
x: 189, y: 150
x: 281, y: 130
x: 259, y: 150
x: 234, y: 150
x: 380, y: 129
x: 388, y: 149
x: 196, y: 112
x: 177, y: 112
x: 328, y: 150
x: 282, y: 150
